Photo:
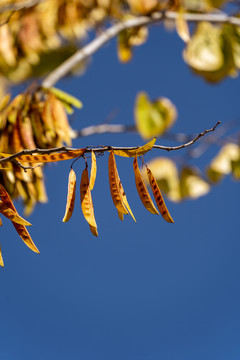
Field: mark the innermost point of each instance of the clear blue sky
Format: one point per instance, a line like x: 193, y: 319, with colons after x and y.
x: 144, y: 291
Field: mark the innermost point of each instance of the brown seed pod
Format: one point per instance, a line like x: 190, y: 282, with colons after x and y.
x: 158, y: 197
x: 142, y: 189
x: 114, y: 183
x: 86, y: 202
x: 70, y: 195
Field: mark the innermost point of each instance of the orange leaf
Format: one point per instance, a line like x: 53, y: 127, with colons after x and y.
x: 142, y: 189
x: 86, y: 201
x: 114, y: 183
x: 70, y: 195
x: 158, y: 198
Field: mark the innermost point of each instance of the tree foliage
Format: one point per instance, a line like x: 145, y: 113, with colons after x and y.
x: 43, y: 41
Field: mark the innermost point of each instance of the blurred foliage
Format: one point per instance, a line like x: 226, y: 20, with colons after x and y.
x: 34, y: 119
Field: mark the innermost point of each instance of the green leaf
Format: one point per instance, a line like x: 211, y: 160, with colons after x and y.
x: 153, y: 118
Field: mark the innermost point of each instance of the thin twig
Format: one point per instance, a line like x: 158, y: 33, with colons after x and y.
x: 64, y: 149
x: 115, y: 29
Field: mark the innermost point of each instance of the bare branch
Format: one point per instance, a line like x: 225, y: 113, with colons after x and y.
x: 188, y: 143
x: 114, y: 30
x: 64, y: 149
x: 105, y: 128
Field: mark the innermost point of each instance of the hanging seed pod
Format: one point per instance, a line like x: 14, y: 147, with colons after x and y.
x: 70, y: 196
x: 158, y: 198
x: 114, y: 183
x: 86, y: 202
x: 142, y: 189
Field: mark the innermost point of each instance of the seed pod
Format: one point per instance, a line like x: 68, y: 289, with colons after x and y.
x: 25, y: 236
x: 93, y: 230
x: 142, y: 189
x: 140, y: 151
x: 86, y: 201
x: 1, y: 258
x: 114, y: 183
x: 124, y: 197
x: 158, y: 198
x: 12, y: 215
x: 70, y: 196
x: 93, y: 171
x: 51, y: 157
x: 121, y: 216
x: 21, y: 229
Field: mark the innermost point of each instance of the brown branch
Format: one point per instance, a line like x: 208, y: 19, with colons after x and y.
x: 115, y: 29
x: 64, y: 149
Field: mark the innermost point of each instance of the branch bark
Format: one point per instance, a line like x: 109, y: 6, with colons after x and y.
x: 64, y: 149
x: 115, y: 29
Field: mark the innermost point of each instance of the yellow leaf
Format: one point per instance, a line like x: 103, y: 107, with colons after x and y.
x: 114, y: 183
x: 222, y: 164
x: 1, y: 258
x: 70, y: 196
x: 139, y: 152
x: 142, y: 189
x: 153, y: 118
x: 191, y: 183
x: 143, y: 7
x: 210, y: 52
x: 158, y: 198
x: 93, y: 171
x: 86, y: 202
x: 182, y: 26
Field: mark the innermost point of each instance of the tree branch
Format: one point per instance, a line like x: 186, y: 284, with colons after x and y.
x: 115, y: 29
x: 65, y: 149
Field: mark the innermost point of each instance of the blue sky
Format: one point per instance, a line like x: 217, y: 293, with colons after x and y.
x: 149, y: 290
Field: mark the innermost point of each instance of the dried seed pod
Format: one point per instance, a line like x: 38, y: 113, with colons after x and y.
x: 124, y: 197
x: 86, y: 201
x: 25, y: 236
x: 12, y: 215
x: 21, y: 229
x: 114, y: 183
x: 142, y: 189
x: 140, y: 151
x: 121, y: 216
x: 70, y: 196
x: 158, y: 198
x: 1, y: 258
x: 51, y: 157
x: 93, y: 171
